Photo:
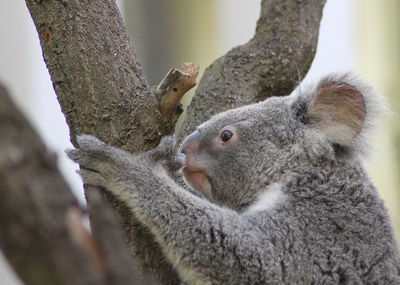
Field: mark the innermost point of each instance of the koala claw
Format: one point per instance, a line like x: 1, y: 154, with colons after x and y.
x: 166, y: 146
x: 178, y: 161
x: 75, y: 154
x: 164, y: 151
x: 79, y: 156
x: 90, y: 143
x: 168, y: 142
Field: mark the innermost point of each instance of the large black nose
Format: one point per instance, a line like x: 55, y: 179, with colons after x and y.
x: 191, y: 143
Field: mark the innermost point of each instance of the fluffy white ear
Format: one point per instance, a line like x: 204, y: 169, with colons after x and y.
x: 338, y: 108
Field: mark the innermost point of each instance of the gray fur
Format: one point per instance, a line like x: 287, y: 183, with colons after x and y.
x: 287, y: 203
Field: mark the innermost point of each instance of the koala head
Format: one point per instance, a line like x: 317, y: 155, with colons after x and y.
x: 236, y: 154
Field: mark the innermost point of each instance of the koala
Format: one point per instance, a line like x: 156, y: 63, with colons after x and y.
x: 277, y: 192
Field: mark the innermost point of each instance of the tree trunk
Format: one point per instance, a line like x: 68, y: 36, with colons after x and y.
x: 102, y: 90
x: 42, y: 231
x: 35, y: 207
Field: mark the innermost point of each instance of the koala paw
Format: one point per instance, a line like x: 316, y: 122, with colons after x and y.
x: 165, y: 153
x: 106, y: 166
x: 164, y: 150
x: 100, y: 164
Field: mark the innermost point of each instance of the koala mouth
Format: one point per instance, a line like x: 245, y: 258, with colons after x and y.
x: 197, y: 178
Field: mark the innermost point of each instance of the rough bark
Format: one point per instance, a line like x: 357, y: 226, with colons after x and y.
x: 41, y: 227
x: 270, y: 64
x: 34, y: 206
x: 102, y: 90
x: 121, y: 267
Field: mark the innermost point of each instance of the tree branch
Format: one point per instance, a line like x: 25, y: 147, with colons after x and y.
x: 102, y: 91
x: 34, y: 207
x: 121, y: 267
x: 41, y: 228
x: 270, y: 64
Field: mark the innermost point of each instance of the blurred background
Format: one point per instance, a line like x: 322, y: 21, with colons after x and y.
x: 355, y: 35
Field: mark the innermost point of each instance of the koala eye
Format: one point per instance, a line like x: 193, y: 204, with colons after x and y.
x: 226, y: 135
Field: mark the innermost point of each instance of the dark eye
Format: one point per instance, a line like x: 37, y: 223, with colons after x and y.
x: 226, y: 135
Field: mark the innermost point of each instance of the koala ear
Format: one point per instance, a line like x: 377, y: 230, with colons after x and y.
x: 337, y: 108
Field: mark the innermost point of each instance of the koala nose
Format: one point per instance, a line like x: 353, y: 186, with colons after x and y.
x: 190, y: 144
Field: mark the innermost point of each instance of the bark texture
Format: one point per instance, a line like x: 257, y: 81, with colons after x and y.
x: 272, y: 63
x: 34, y: 205
x: 102, y: 90
x: 41, y: 227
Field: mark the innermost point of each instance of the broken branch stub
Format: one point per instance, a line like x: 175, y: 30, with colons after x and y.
x: 172, y: 88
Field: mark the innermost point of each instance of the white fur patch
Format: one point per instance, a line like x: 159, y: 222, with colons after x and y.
x: 269, y: 199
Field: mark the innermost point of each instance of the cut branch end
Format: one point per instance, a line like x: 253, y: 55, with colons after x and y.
x: 172, y: 88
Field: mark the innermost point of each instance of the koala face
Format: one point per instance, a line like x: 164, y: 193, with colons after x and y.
x: 228, y: 156
x: 235, y: 155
